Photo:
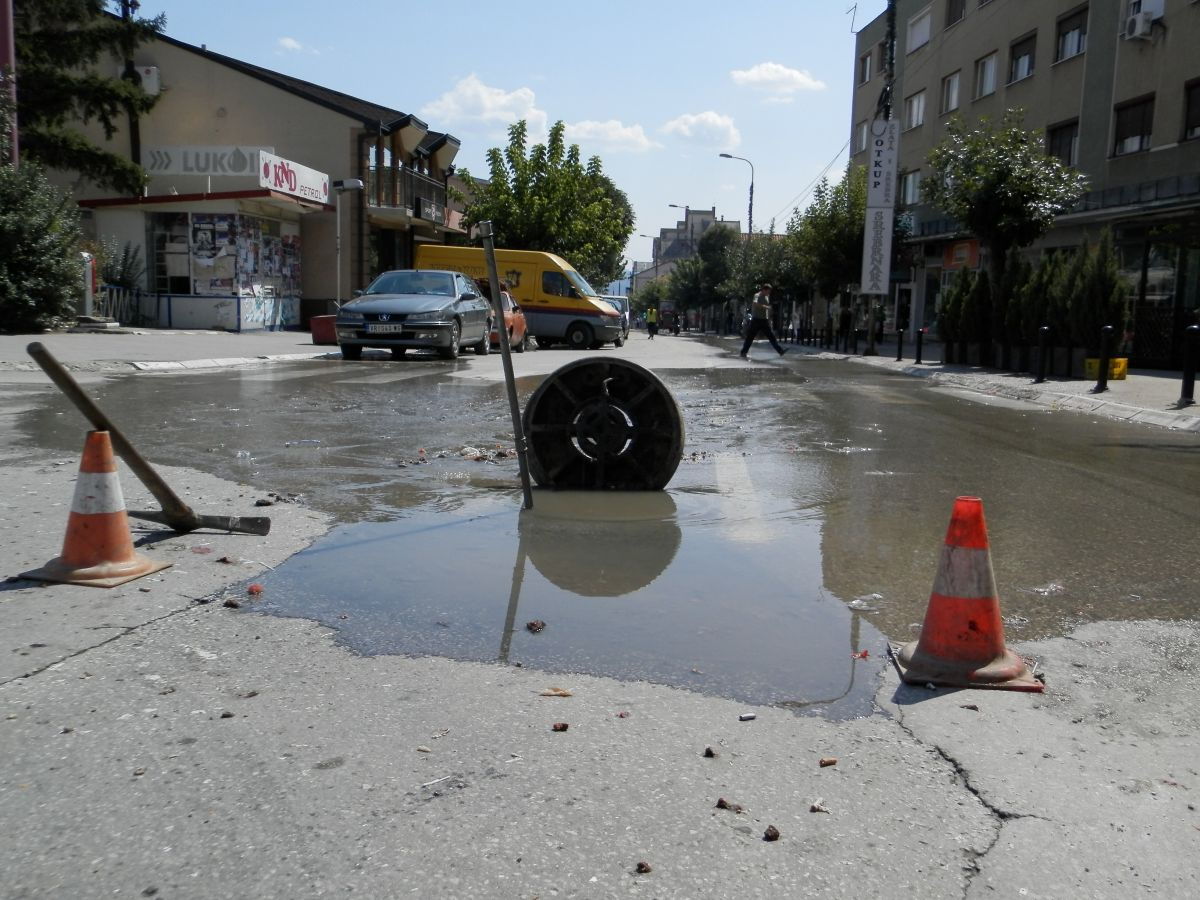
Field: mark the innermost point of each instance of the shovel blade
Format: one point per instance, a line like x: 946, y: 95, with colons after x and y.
x: 244, y: 524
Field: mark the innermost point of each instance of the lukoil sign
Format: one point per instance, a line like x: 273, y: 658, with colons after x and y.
x: 202, y: 160
x: 287, y: 177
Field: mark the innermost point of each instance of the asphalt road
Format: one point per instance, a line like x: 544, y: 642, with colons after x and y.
x: 154, y: 745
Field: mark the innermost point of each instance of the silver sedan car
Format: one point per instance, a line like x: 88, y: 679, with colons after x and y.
x: 410, y: 309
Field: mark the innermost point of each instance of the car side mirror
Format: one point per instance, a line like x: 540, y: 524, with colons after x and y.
x: 469, y: 295
x: 358, y: 292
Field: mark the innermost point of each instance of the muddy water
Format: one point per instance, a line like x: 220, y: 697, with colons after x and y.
x: 804, y: 523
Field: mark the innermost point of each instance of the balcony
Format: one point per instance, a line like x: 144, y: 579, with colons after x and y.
x: 406, y: 188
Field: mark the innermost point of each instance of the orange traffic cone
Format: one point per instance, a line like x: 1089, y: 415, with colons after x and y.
x: 98, y: 549
x: 962, y: 639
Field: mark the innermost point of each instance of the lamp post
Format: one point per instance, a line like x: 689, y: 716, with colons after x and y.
x: 750, y: 214
x: 340, y: 187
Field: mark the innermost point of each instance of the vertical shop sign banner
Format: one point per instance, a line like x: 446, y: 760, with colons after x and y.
x: 287, y: 177
x: 877, y: 251
x: 884, y: 150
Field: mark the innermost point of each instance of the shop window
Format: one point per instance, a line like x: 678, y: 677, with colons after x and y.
x: 919, y: 30
x: 1191, y: 116
x: 914, y: 110
x: 864, y: 68
x: 170, y: 270
x: 1132, y: 127
x: 1072, y: 35
x: 950, y: 92
x: 985, y: 76
x: 955, y: 10
x: 1062, y: 142
x: 1020, y: 59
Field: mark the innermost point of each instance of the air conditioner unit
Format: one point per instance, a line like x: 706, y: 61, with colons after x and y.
x: 150, y: 81
x: 1139, y: 26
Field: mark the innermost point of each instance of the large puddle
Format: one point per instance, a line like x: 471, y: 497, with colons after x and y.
x: 655, y: 585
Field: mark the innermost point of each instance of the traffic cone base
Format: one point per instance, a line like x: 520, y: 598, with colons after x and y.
x: 98, y: 549
x: 962, y: 637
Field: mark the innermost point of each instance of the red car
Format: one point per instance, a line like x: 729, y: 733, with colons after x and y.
x: 514, y: 321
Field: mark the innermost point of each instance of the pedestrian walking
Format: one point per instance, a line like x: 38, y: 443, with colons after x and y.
x: 652, y: 321
x: 760, y: 321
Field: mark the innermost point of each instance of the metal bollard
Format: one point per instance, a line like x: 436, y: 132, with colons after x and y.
x: 1191, y: 346
x: 1043, y: 332
x: 899, y: 344
x: 854, y: 338
x: 920, y: 340
x: 1106, y: 333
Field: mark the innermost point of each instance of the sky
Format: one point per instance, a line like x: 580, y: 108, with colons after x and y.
x: 656, y: 89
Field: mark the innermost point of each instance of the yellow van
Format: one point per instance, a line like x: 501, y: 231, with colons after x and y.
x: 559, y: 305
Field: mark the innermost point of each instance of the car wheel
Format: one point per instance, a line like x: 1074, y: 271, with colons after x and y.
x: 351, y: 351
x: 579, y: 336
x: 398, y: 352
x: 451, y: 352
x: 485, y: 343
x: 619, y: 342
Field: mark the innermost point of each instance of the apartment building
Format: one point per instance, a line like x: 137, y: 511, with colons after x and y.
x: 680, y: 242
x: 1114, y: 86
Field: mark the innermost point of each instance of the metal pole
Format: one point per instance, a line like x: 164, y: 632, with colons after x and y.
x: 920, y: 340
x: 899, y: 344
x: 1043, y: 331
x: 1190, y: 346
x: 337, y: 205
x: 510, y: 381
x: 8, y: 64
x: 1105, y: 354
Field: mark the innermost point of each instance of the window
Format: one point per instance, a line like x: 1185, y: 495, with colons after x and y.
x: 1131, y: 131
x: 985, y: 76
x: 910, y: 188
x: 1020, y: 59
x: 860, y: 136
x: 955, y: 10
x: 1191, y: 115
x: 950, y: 92
x: 918, y: 30
x: 914, y: 110
x: 864, y: 68
x: 556, y: 285
x: 1072, y: 35
x: 1062, y: 142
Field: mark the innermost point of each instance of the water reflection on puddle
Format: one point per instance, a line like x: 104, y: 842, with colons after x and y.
x: 682, y: 588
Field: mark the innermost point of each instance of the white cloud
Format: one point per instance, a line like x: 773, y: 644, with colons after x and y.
x: 708, y: 128
x: 610, y: 135
x: 289, y: 43
x: 776, y: 79
x: 472, y: 101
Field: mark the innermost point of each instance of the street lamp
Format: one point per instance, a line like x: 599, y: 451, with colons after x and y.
x: 653, y: 249
x: 340, y: 187
x: 750, y: 216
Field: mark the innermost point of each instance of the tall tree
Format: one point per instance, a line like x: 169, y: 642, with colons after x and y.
x: 40, y: 272
x: 545, y: 198
x: 63, y: 48
x: 828, y: 237
x: 1000, y: 185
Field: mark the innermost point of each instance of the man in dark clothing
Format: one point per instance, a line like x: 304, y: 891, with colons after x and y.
x: 760, y: 321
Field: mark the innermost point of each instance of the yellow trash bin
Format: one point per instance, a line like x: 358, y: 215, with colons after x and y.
x: 1118, y: 368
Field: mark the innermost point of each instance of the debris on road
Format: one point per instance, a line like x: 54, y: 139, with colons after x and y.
x: 710, y: 753
x: 643, y: 868
x: 622, y: 715
x: 826, y: 761
x: 746, y: 717
x: 424, y: 749
x: 232, y: 603
x: 556, y: 692
x: 722, y: 803
x: 559, y: 726
x: 818, y: 806
x: 263, y: 501
x: 535, y: 626
x: 771, y: 834
x: 861, y: 654
x: 254, y: 589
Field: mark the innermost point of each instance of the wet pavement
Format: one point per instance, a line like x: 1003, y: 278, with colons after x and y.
x: 803, y: 524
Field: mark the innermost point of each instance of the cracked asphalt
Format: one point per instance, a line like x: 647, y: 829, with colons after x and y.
x: 157, y: 746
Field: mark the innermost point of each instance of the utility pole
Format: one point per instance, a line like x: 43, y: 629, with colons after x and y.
x: 128, y: 7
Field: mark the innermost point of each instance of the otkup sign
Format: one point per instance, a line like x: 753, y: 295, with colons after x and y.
x: 884, y: 148
x: 287, y: 177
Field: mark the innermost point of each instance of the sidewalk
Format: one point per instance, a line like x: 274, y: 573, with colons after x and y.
x: 1146, y: 396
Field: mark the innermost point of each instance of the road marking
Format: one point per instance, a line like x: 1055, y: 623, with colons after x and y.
x: 744, y: 521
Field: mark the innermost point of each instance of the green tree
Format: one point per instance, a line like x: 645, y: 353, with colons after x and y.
x: 40, y: 271
x: 1000, y: 185
x: 62, y: 47
x: 1100, y: 296
x: 684, y: 284
x: 545, y: 198
x: 714, y: 249
x: 827, y: 238
x: 652, y: 293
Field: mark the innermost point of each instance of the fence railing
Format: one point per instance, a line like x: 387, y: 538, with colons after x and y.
x: 129, y: 306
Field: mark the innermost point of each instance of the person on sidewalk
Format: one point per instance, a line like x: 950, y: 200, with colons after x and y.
x: 760, y: 321
x: 652, y: 321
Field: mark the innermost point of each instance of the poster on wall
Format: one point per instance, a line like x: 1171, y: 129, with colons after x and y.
x: 214, y: 253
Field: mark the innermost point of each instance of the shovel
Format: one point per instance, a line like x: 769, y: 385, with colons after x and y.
x: 175, y: 513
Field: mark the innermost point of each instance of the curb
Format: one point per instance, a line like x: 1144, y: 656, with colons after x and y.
x: 168, y: 366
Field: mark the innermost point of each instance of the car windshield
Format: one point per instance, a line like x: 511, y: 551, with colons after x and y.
x: 413, y: 283
x: 579, y: 283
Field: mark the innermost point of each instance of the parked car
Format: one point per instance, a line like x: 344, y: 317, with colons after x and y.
x: 621, y: 304
x: 514, y: 321
x: 410, y: 309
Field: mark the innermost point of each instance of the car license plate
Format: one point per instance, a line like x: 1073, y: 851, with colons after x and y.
x: 380, y: 328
